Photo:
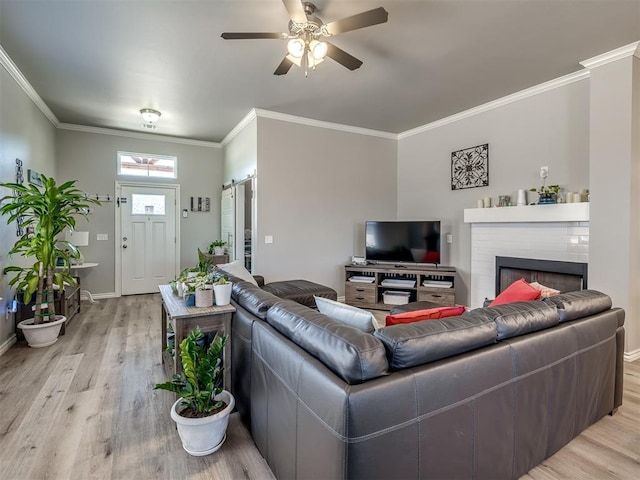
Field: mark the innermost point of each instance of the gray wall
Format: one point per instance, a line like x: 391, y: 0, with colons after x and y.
x: 614, y: 264
x: 551, y: 128
x: 316, y: 188
x: 25, y: 133
x: 91, y: 159
x: 240, y: 155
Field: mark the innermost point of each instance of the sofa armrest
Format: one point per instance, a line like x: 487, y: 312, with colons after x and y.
x: 259, y: 280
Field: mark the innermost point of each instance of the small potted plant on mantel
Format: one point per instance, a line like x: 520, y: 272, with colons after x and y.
x: 202, y: 411
x: 547, y: 195
x: 44, y: 213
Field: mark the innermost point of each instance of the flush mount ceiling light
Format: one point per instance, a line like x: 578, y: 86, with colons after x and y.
x: 150, y: 117
x: 307, y: 33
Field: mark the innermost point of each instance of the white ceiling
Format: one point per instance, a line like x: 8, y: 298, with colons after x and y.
x: 97, y: 63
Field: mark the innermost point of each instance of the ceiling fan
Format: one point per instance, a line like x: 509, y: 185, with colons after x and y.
x: 307, y: 45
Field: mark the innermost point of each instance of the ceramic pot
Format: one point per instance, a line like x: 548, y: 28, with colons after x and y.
x: 204, y: 297
x: 42, y: 334
x: 218, y: 250
x: 546, y: 198
x: 202, y: 436
x: 223, y: 293
x: 190, y: 299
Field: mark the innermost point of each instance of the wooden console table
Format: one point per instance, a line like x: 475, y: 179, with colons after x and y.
x: 184, y: 319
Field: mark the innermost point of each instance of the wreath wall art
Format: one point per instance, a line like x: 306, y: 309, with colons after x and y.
x: 470, y: 167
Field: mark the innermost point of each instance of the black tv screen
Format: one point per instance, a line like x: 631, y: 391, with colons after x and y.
x: 403, y: 242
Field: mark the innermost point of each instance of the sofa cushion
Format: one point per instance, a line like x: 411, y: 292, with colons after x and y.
x: 252, y: 298
x: 579, y: 304
x: 545, y: 292
x: 518, y: 291
x: 236, y: 268
x: 426, y: 314
x: 518, y: 318
x: 413, y: 344
x: 351, y: 354
x: 343, y: 313
x: 301, y: 291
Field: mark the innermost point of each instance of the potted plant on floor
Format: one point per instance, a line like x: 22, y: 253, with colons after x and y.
x: 44, y: 213
x: 217, y: 247
x: 202, y: 411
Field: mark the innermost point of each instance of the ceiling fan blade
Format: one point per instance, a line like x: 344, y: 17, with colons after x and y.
x: 284, y: 66
x: 343, y: 58
x: 361, y: 20
x: 253, y: 35
x: 295, y: 10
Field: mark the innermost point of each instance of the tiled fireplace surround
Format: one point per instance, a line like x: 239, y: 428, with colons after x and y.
x: 554, y: 240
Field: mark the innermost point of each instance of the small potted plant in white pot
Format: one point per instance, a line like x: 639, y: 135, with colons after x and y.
x: 217, y: 247
x: 222, y: 290
x: 44, y: 213
x: 202, y: 411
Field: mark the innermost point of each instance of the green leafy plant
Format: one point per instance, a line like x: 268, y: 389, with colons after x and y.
x: 216, y: 243
x: 202, y: 379
x: 546, y: 190
x: 44, y: 213
x: 221, y: 280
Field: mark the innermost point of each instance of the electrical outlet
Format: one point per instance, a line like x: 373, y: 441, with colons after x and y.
x: 268, y: 239
x: 544, y: 172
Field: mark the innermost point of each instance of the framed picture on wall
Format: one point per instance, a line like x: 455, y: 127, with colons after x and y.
x: 470, y: 167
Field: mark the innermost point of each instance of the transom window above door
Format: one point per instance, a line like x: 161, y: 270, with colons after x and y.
x: 147, y: 165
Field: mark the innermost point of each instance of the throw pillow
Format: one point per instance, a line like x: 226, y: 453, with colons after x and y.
x: 518, y: 291
x: 545, y: 292
x: 236, y: 268
x: 352, y: 316
x: 428, y: 314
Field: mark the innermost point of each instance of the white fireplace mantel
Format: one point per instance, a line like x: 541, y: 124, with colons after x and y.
x: 560, y: 212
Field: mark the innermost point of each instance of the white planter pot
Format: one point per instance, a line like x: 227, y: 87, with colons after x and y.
x: 180, y: 289
x: 43, y: 334
x: 223, y: 294
x: 218, y: 250
x: 202, y: 436
x: 204, y: 298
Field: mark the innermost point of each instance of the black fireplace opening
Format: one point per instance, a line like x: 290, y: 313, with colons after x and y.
x: 563, y: 276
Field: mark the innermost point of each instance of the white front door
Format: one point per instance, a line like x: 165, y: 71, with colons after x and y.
x: 147, y: 238
x: 228, y: 220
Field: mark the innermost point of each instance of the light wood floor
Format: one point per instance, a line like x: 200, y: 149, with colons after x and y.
x: 84, y: 408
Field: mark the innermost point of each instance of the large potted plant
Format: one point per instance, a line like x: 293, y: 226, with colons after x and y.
x: 202, y: 411
x: 44, y: 213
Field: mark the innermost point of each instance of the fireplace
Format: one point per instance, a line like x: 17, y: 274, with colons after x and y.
x: 563, y: 276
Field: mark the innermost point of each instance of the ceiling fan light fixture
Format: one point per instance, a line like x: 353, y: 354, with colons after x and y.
x: 150, y: 116
x: 318, y: 50
x: 296, y: 47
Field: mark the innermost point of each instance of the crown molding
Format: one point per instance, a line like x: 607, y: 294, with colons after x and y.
x: 322, y: 124
x: 500, y: 102
x: 21, y: 80
x: 138, y: 135
x: 239, y: 127
x: 612, y: 56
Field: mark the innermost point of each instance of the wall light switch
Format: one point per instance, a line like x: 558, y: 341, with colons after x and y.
x: 268, y: 239
x: 102, y: 236
x: 449, y: 238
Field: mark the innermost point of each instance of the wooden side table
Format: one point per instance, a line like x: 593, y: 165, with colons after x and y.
x: 184, y: 319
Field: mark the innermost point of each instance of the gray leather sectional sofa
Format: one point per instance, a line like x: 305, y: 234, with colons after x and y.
x: 487, y: 395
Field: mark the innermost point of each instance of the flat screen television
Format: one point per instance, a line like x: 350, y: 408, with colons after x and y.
x: 403, y: 242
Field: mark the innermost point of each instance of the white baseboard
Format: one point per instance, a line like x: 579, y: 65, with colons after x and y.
x: 8, y: 343
x: 632, y: 356
x: 342, y: 299
x: 101, y: 296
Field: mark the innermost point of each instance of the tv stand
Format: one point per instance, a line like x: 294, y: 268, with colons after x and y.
x: 430, y: 283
